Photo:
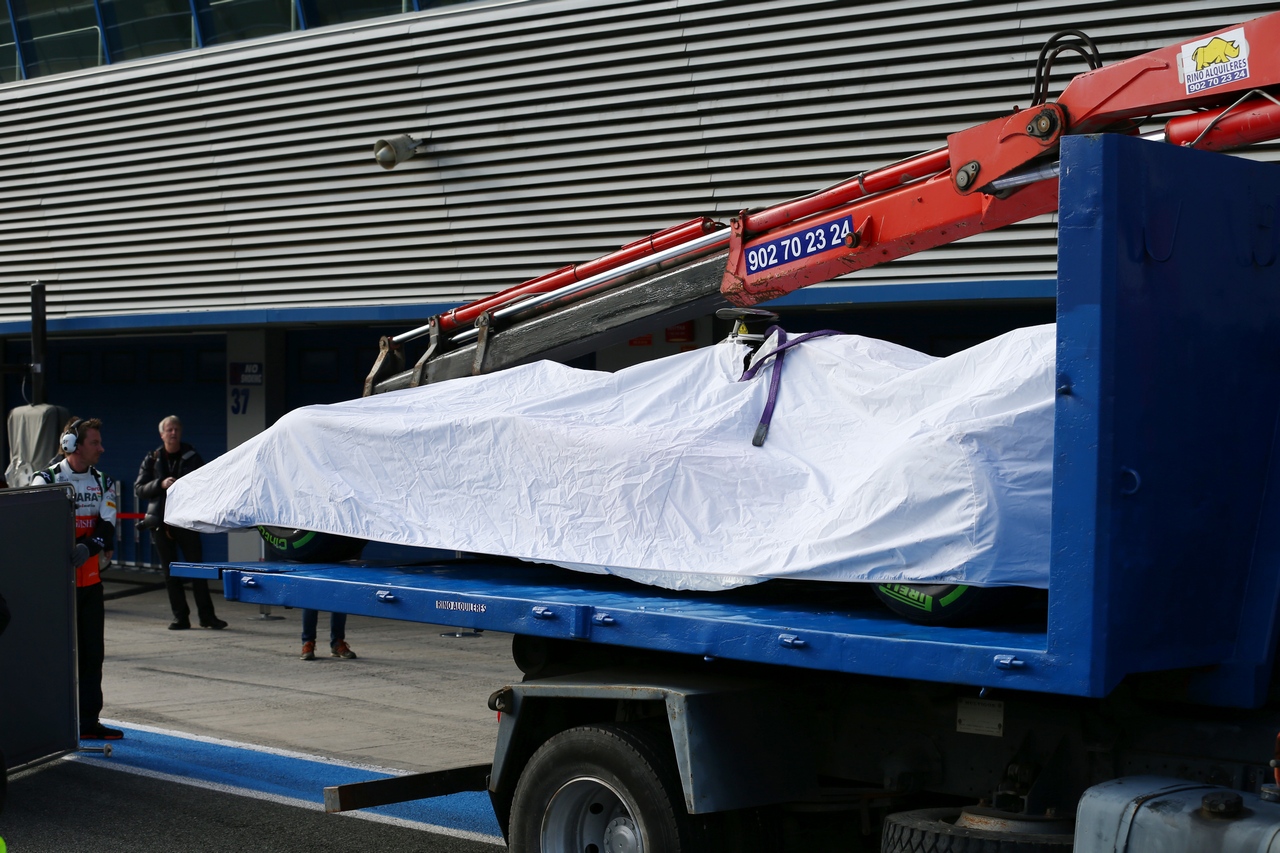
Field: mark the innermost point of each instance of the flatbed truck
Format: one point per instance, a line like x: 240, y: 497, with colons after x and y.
x: 1137, y: 709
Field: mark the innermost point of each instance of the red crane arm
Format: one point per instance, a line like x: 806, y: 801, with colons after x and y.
x: 945, y: 195
x: 1205, y: 72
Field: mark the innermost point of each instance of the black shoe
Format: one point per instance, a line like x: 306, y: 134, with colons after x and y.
x: 215, y: 623
x: 179, y: 625
x: 98, y: 731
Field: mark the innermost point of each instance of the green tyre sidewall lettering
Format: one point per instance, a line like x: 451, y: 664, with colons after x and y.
x: 308, y: 546
x: 951, y: 604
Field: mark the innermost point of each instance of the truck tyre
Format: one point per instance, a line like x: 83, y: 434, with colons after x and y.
x: 601, y: 787
x: 934, y: 831
x: 949, y: 604
x: 309, y: 546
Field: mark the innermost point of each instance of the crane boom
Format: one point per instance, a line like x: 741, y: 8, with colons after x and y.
x: 949, y: 194
x: 991, y: 175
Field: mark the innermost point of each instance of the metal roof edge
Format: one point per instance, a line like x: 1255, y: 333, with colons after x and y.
x: 235, y: 319
x: 831, y: 296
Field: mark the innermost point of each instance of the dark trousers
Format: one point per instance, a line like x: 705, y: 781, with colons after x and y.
x: 91, y: 618
x: 337, y: 626
x: 167, y: 541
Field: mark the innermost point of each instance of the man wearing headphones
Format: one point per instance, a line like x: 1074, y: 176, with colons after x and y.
x: 95, y: 495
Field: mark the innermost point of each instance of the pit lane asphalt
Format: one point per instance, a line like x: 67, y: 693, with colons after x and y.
x: 230, y: 738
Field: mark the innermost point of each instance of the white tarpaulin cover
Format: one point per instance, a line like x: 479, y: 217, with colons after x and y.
x: 881, y: 464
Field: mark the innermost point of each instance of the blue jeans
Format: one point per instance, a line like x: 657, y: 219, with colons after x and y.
x: 337, y: 626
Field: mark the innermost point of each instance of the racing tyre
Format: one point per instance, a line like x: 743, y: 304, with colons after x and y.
x: 950, y: 604
x: 934, y: 831
x: 601, y: 787
x: 308, y: 546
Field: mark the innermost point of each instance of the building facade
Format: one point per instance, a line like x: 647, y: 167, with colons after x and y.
x: 194, y: 184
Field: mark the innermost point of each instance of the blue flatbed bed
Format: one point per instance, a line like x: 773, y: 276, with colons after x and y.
x: 835, y: 627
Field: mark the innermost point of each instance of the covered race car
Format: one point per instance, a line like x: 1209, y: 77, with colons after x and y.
x: 880, y: 464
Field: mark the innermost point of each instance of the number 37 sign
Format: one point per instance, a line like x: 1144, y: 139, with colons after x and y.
x: 244, y: 377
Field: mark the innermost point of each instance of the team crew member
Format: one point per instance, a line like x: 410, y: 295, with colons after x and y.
x: 338, y: 647
x: 95, y: 495
x: 160, y: 469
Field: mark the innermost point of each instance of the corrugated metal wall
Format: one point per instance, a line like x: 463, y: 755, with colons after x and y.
x: 242, y: 177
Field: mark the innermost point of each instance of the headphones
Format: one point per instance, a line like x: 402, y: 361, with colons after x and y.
x: 71, y: 437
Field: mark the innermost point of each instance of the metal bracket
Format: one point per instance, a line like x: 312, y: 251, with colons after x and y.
x: 1044, y: 124
x: 741, y: 316
x: 502, y: 700
x: 390, y: 361
x: 734, y: 283
x: 400, y: 789
x: 484, y: 325
x: 855, y: 239
x: 420, y: 368
x: 967, y: 175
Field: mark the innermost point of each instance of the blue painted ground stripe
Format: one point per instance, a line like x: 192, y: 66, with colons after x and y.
x: 284, y: 776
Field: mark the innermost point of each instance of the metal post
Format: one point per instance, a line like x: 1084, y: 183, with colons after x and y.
x: 37, y: 344
x: 264, y: 614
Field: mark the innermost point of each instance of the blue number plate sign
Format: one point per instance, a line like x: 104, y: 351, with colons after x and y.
x: 797, y: 246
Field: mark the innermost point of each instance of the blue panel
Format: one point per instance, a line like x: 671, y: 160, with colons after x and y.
x: 326, y: 13
x: 139, y: 28
x: 54, y: 38
x: 1169, y: 338
x: 227, y: 21
x: 10, y: 60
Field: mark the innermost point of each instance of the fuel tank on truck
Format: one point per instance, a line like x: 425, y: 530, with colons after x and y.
x: 1137, y: 814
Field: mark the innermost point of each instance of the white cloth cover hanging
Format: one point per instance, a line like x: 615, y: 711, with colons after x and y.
x: 881, y: 464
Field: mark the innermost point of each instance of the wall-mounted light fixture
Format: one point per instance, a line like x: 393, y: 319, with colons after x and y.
x: 396, y: 149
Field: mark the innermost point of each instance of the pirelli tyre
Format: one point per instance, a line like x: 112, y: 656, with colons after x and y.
x: 950, y: 604
x: 936, y: 831
x: 309, y: 546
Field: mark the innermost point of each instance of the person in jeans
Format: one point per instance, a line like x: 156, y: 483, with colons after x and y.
x: 160, y: 469
x: 338, y: 647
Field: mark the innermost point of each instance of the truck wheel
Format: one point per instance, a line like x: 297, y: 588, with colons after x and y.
x: 308, y: 546
x: 949, y: 604
x: 598, y: 788
x: 934, y: 831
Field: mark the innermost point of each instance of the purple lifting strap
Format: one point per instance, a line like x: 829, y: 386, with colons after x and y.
x: 775, y: 381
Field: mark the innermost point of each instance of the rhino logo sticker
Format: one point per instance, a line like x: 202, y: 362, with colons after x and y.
x: 1216, y: 61
x: 1217, y: 50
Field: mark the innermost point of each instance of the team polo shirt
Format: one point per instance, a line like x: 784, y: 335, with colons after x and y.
x: 95, y: 498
